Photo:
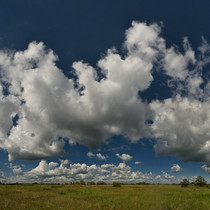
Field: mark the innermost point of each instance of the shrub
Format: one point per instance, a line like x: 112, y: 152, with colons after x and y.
x: 200, y: 181
x: 101, y: 183
x: 77, y: 183
x: 82, y: 182
x: 116, y: 184
x: 185, y: 183
x: 91, y: 183
x: 142, y: 183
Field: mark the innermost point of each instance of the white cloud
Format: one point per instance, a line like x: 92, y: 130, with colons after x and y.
x: 98, y: 155
x: 124, y: 157
x: 15, y: 168
x: 176, y: 168
x: 64, y: 163
x: 182, y: 128
x: 105, y: 166
x: 138, y: 162
x: 206, y: 168
x: 49, y: 108
x: 144, y: 41
x: 158, y: 177
x: 90, y: 154
x: 54, y: 172
x: 17, y: 171
x: 186, y: 70
x: 1, y: 175
x: 176, y: 64
x: 167, y: 176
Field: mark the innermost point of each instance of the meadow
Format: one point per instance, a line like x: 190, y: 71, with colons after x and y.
x: 106, y: 197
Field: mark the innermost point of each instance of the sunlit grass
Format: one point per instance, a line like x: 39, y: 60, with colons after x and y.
x: 103, y: 197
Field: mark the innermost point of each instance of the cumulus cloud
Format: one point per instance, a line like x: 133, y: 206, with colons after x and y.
x: 90, y: 154
x: 43, y: 109
x: 98, y: 155
x: 124, y: 157
x: 158, y: 177
x: 64, y: 162
x: 54, y: 172
x: 105, y: 166
x: 181, y: 126
x: 15, y: 168
x: 176, y: 168
x: 51, y: 107
x: 167, y: 176
x: 176, y: 63
x: 1, y: 175
x: 206, y: 168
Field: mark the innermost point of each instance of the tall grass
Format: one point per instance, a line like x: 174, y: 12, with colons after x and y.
x: 103, y: 197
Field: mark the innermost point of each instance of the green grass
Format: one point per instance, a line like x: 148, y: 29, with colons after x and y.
x: 103, y: 197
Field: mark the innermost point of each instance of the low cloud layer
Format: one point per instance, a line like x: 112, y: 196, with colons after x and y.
x: 54, y: 172
x: 41, y: 109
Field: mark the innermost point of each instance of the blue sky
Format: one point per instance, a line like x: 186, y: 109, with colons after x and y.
x: 104, y: 90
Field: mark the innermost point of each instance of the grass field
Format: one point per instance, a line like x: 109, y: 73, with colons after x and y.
x: 103, y: 197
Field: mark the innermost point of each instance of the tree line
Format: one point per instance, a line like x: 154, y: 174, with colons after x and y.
x: 200, y: 181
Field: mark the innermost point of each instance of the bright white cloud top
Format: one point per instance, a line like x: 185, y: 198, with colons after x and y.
x: 54, y: 172
x: 176, y: 168
x: 124, y: 157
x: 98, y: 155
x: 41, y: 106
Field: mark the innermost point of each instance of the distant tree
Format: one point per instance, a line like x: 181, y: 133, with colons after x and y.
x: 116, y: 184
x: 142, y: 183
x: 91, y: 183
x: 77, y: 183
x: 185, y: 183
x: 101, y: 183
x: 200, y: 181
x: 35, y: 183
x: 82, y: 182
